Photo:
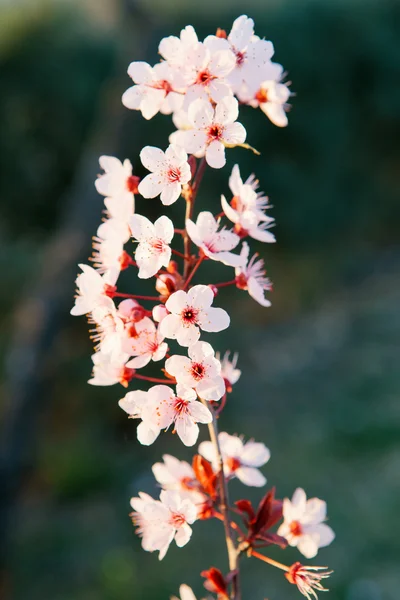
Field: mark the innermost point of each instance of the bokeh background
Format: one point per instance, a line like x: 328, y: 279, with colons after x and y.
x: 321, y: 380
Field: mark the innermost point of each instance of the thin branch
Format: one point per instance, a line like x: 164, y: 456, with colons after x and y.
x: 233, y: 555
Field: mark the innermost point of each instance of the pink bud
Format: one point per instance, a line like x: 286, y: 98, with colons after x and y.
x: 159, y: 312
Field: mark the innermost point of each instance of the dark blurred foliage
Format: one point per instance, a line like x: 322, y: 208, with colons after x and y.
x: 320, y: 381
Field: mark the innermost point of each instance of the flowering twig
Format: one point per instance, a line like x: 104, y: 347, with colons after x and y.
x: 202, y: 84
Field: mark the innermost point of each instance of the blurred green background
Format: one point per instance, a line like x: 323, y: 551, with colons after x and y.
x: 321, y: 381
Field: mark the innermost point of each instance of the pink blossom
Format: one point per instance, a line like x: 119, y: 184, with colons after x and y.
x: 247, y: 208
x: 201, y: 371
x: 109, y: 369
x: 213, y: 129
x: 228, y: 369
x: 303, y: 523
x: 116, y: 226
x: 240, y: 460
x: 117, y: 180
x: 272, y: 98
x: 251, y: 54
x: 159, y: 408
x: 153, y: 250
x: 174, y: 474
x: 191, y: 311
x: 213, y: 243
x: 161, y: 521
x: 251, y: 277
x: 154, y: 89
x: 93, y: 290
x: 145, y: 343
x: 185, y: 592
x: 169, y: 172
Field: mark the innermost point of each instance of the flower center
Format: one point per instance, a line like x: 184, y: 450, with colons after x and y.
x: 132, y: 184
x: 177, y: 520
x: 262, y: 96
x: 240, y: 58
x: 215, y: 132
x: 124, y: 260
x: 180, y: 406
x: 189, y: 316
x: 125, y: 376
x: 157, y: 245
x: 233, y: 464
x: 163, y: 84
x: 295, y: 528
x: 204, y: 77
x: 174, y: 174
x: 197, y: 371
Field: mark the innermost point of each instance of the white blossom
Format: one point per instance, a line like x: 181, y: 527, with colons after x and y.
x: 185, y: 593
x: 145, y: 342
x: 153, y: 250
x: 303, y: 524
x: 191, y: 311
x: 169, y: 172
x: 228, y: 368
x: 272, y: 98
x: 161, y: 521
x: 240, y: 460
x: 213, y: 243
x: 251, y: 276
x: 117, y: 180
x: 213, y: 129
x: 116, y: 226
x: 93, y: 290
x: 109, y: 369
x: 247, y: 207
x: 154, y: 90
x: 163, y: 408
x: 201, y: 371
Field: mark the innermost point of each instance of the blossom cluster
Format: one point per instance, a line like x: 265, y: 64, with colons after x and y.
x: 200, y: 84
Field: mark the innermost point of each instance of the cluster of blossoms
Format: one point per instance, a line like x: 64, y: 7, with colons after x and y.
x: 201, y: 84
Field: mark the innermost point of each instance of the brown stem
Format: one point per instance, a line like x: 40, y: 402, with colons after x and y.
x: 225, y: 283
x: 233, y: 555
x: 193, y: 271
x: 269, y: 560
x: 135, y: 296
x: 155, y: 379
x: 189, y: 210
x: 184, y: 256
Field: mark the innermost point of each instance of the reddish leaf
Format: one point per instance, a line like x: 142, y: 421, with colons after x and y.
x: 215, y: 582
x: 244, y: 506
x: 205, y: 475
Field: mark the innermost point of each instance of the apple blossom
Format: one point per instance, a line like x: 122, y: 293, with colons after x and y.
x: 251, y: 277
x: 303, y: 524
x: 213, y: 129
x: 153, y: 250
x: 201, y: 371
x: 191, y: 311
x: 213, y: 243
x: 240, y: 460
x: 169, y: 172
x: 174, y: 474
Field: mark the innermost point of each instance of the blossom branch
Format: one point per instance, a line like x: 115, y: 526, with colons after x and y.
x: 233, y: 555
